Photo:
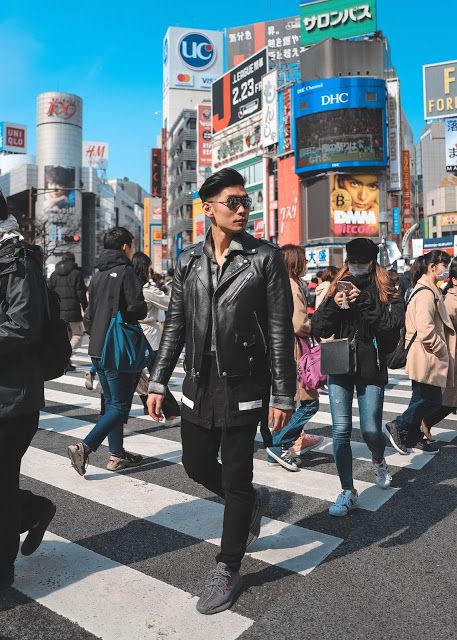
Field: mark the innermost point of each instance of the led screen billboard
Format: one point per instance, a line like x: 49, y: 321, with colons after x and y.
x: 340, y: 123
x: 354, y: 205
x: 59, y: 193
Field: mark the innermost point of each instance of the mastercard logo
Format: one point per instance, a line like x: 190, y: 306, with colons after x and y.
x: 183, y: 77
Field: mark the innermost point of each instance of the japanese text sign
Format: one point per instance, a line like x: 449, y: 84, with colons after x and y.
x: 336, y: 19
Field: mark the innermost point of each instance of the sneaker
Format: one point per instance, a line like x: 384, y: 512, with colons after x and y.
x: 125, y: 460
x: 424, y: 446
x: 261, y: 500
x: 395, y: 437
x: 345, y: 501
x: 79, y: 455
x: 382, y: 475
x: 220, y: 590
x: 36, y: 533
x: 305, y: 442
x: 284, y: 457
x: 89, y: 381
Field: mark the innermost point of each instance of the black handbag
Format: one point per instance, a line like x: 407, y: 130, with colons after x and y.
x: 339, y: 356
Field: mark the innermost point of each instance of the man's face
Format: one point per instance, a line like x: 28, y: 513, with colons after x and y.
x: 226, y: 211
x: 363, y: 191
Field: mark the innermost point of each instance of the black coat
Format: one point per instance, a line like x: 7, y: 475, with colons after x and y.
x: 68, y: 282
x: 22, y: 305
x: 376, y: 324
x: 252, y: 311
x: 113, y: 266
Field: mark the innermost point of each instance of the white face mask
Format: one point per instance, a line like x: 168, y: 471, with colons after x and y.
x: 359, y: 269
x: 443, y: 275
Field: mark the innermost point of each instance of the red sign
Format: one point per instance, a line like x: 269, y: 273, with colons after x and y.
x: 62, y: 108
x: 289, y: 209
x: 156, y: 173
x: 286, y: 115
x: 204, y: 135
x: 406, y: 181
x: 15, y: 137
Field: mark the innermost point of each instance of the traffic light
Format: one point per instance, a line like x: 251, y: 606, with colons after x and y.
x: 75, y: 238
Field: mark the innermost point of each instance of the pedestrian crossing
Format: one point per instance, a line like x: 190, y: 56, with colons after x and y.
x: 108, y: 597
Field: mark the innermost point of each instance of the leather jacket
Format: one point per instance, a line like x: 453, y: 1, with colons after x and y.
x: 251, y: 311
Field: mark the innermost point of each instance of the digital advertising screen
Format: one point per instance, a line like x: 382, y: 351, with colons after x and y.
x: 340, y: 123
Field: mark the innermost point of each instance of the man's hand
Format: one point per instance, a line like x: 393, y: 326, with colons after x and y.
x: 154, y: 405
x: 279, y: 418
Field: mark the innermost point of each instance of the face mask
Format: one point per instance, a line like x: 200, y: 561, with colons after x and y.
x: 443, y: 275
x: 359, y: 269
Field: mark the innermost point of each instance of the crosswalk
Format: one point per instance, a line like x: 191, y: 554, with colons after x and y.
x: 113, y: 584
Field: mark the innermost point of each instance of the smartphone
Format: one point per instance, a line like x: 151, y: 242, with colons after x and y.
x: 344, y: 285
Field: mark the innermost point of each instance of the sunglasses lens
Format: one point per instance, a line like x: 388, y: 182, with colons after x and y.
x: 234, y: 202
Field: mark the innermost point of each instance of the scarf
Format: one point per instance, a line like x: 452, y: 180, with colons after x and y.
x: 9, y: 229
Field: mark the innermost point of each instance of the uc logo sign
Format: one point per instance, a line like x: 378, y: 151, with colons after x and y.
x: 197, y: 51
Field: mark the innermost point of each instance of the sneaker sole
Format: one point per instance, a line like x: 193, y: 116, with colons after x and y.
x: 306, y: 449
x: 226, y: 605
x: 129, y: 465
x: 280, y: 461
x: 74, y: 463
x: 427, y: 453
x: 388, y: 435
x: 383, y: 487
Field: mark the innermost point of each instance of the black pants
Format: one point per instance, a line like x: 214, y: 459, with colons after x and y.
x: 19, y: 509
x: 434, y: 418
x: 231, y: 480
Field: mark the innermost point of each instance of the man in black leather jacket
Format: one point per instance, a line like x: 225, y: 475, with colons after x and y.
x: 231, y: 307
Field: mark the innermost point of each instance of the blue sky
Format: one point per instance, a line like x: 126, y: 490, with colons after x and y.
x: 110, y: 53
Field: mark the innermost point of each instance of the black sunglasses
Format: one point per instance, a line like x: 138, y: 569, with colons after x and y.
x: 234, y: 202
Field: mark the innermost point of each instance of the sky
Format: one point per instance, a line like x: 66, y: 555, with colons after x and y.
x: 110, y: 54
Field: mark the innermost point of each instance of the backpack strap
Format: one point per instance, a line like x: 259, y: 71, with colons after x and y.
x: 414, y: 336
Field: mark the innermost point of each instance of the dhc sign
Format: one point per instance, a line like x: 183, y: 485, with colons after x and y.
x: 197, y: 51
x: 339, y: 98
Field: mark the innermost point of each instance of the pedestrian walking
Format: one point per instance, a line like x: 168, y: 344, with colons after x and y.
x: 114, y: 286
x: 68, y: 282
x: 22, y: 308
x: 291, y: 442
x: 430, y: 337
x: 371, y: 322
x: 231, y: 307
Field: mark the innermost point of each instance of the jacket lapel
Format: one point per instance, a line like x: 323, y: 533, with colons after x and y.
x: 238, y: 264
x: 203, y: 269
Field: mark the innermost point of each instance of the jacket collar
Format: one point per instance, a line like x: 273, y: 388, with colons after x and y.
x: 243, y: 242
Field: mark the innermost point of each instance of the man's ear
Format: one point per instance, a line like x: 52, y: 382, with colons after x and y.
x: 208, y: 210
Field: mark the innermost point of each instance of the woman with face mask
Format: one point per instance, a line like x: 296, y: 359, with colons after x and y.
x: 370, y: 314
x: 431, y: 336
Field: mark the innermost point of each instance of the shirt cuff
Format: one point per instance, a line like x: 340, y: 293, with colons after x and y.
x: 285, y: 403
x: 156, y: 387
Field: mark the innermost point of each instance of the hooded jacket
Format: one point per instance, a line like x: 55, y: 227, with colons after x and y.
x: 68, y: 282
x: 106, y: 295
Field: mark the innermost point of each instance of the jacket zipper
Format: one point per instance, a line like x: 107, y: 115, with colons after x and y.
x: 238, y: 289
x: 192, y: 372
x: 261, y: 332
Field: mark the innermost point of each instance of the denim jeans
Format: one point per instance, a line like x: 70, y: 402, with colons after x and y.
x: 287, y: 436
x: 425, y: 401
x: 370, y: 398
x: 118, y: 389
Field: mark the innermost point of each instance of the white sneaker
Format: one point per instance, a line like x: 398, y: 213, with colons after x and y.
x: 345, y: 501
x: 382, y: 475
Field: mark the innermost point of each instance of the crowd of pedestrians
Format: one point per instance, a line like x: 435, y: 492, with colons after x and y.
x: 259, y: 347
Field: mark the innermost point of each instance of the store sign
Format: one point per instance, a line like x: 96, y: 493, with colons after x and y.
x: 285, y: 121
x: 443, y: 244
x: 450, y: 142
x: 336, y: 19
x: 238, y: 93
x: 317, y: 257
x: 238, y: 145
x: 13, y: 137
x: 440, y: 90
x: 204, y: 135
x: 396, y: 220
x: 95, y: 155
x: 354, y: 205
x: 62, y: 108
x: 156, y: 172
x: 406, y: 181
x: 164, y: 191
x: 448, y: 219
x: 393, y: 121
x: 289, y: 217
x: 270, y: 109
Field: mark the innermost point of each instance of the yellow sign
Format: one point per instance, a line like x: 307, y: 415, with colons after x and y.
x: 448, y: 219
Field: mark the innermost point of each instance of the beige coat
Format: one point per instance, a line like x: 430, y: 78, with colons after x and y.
x: 302, y: 327
x: 321, y: 292
x: 431, y: 358
x: 450, y: 393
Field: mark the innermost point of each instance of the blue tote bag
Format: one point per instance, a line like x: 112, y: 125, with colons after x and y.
x: 126, y: 348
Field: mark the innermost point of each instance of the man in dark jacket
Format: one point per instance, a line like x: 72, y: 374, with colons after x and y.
x: 21, y: 391
x: 114, y: 287
x: 231, y: 306
x: 68, y: 282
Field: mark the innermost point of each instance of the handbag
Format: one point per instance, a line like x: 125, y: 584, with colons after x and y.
x: 125, y: 348
x: 310, y: 376
x: 338, y: 357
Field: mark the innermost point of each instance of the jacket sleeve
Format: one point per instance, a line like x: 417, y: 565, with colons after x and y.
x: 173, y: 337
x: 156, y: 297
x: 326, y: 320
x: 81, y: 290
x: 23, y: 325
x: 422, y: 310
x: 300, y: 320
x: 382, y: 318
x: 280, y: 332
x: 132, y: 291
x: 52, y: 282
x: 88, y: 313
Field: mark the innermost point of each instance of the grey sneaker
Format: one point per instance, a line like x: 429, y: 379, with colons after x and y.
x: 125, y: 460
x: 79, y: 456
x: 395, y: 437
x: 261, y: 500
x: 220, y: 590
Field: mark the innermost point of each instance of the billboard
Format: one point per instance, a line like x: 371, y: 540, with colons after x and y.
x: 59, y: 194
x: 156, y: 173
x: 336, y: 19
x: 192, y: 58
x: 236, y: 145
x: 198, y: 220
x: 406, y: 181
x: 317, y: 257
x: 393, y: 117
x: 204, y: 135
x: 289, y: 218
x: 285, y: 121
x: 13, y: 137
x: 339, y: 123
x: 95, y: 155
x: 354, y: 205
x: 450, y: 141
x: 440, y: 90
x: 270, y: 128
x: 238, y: 93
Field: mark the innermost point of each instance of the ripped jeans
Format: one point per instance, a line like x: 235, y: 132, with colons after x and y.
x: 370, y: 398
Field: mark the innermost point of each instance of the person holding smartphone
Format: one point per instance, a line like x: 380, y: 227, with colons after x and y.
x: 362, y: 305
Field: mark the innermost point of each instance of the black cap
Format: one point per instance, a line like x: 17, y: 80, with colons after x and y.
x: 3, y: 207
x: 362, y: 250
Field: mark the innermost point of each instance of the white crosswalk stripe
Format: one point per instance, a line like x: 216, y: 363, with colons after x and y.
x: 63, y: 572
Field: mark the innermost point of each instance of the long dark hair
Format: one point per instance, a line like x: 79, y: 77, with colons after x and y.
x: 452, y: 273
x: 295, y: 259
x: 141, y: 264
x: 422, y: 263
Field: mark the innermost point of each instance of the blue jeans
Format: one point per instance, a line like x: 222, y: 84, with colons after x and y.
x: 287, y: 436
x: 425, y: 400
x: 370, y: 398
x: 118, y: 389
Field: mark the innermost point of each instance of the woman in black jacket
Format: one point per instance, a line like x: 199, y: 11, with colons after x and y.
x: 372, y: 321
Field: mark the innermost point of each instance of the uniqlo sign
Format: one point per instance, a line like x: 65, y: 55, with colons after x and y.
x: 13, y: 137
